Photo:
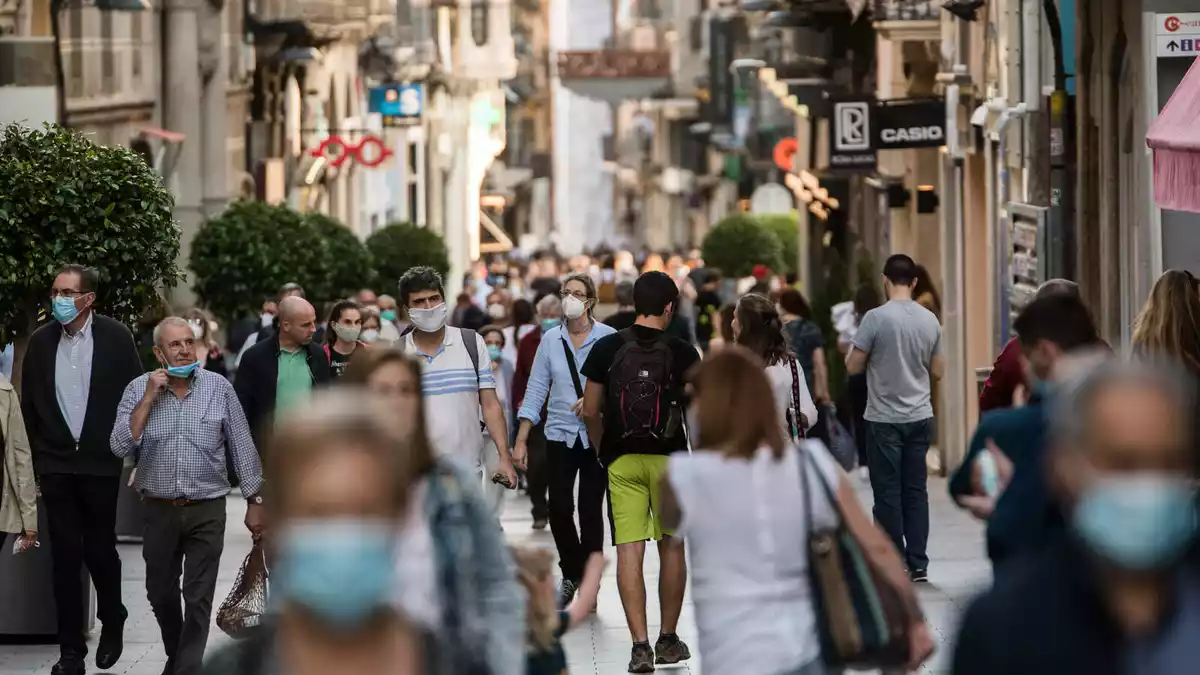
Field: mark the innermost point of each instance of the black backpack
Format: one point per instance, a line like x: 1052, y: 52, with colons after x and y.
x: 639, y: 388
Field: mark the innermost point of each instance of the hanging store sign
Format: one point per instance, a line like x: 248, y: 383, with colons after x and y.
x: 397, y: 104
x: 852, y: 147
x: 370, y: 152
x: 721, y: 32
x: 910, y: 123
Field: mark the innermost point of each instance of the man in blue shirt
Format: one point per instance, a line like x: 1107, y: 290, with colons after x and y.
x: 557, y: 384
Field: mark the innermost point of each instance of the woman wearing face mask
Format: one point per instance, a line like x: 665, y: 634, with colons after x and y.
x: 344, y: 467
x: 342, y: 332
x: 208, y: 352
x: 369, y: 334
x: 502, y: 372
x: 459, y: 579
x: 497, y: 307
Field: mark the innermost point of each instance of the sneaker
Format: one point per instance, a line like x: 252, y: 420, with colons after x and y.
x: 919, y: 576
x: 641, y: 658
x: 70, y: 664
x: 566, y: 592
x: 540, y: 523
x: 670, y: 649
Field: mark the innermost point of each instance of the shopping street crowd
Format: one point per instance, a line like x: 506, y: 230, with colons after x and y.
x: 374, y: 448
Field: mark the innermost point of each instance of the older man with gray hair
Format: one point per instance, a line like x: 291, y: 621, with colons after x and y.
x: 183, y: 425
x: 1118, y: 590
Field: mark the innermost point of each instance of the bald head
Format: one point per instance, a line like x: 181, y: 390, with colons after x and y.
x: 297, y: 322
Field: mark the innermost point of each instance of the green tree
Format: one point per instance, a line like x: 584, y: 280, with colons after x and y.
x: 399, y: 247
x: 347, y: 267
x: 248, y: 252
x: 786, y: 228
x: 738, y: 243
x: 64, y: 199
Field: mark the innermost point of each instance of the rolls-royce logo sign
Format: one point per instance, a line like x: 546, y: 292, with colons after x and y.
x: 853, y: 126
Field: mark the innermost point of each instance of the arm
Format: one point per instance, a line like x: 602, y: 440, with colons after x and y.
x: 807, y: 408
x: 820, y: 374
x: 132, y: 413
x: 937, y: 362
x: 861, y: 345
x: 580, y: 608
x: 593, y: 405
x: 493, y: 417
x: 18, y: 461
x: 856, y: 361
x: 538, y: 389
x: 246, y: 463
x: 1004, y: 379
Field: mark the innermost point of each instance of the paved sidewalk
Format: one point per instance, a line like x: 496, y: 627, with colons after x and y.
x: 958, y: 569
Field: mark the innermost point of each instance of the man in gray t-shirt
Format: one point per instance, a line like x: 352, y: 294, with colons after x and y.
x: 898, y: 345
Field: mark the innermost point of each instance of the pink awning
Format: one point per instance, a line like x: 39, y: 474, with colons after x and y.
x: 1175, y: 139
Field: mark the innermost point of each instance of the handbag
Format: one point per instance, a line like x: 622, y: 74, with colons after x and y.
x: 797, y: 424
x: 862, y: 621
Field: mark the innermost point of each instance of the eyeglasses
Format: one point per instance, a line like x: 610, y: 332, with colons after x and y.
x: 583, y: 297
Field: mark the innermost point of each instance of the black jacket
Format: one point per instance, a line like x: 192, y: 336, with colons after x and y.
x: 115, y: 363
x: 257, y: 377
x: 1044, y: 616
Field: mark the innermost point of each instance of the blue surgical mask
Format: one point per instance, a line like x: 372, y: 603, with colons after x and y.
x: 495, y: 352
x: 1140, y: 522
x: 339, y: 570
x: 183, y: 371
x: 547, y: 324
x: 64, y: 309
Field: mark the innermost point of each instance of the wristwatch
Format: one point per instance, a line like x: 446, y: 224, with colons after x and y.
x: 254, y: 499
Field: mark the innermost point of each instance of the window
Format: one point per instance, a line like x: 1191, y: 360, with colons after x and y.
x: 107, y: 57
x: 412, y: 159
x: 479, y: 21
x: 414, y: 194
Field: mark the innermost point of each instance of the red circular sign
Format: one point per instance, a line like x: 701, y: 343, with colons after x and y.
x: 1172, y: 23
x: 784, y: 150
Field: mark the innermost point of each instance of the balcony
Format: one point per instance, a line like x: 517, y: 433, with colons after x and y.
x: 615, y: 75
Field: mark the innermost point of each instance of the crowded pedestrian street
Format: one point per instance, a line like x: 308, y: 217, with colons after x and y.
x: 601, y: 646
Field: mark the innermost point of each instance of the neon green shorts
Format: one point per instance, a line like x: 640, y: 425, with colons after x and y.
x: 633, y: 497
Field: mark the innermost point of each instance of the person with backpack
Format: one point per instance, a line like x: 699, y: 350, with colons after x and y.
x: 556, y: 384
x: 456, y: 378
x: 634, y: 404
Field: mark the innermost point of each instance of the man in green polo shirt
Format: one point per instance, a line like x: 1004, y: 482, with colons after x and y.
x: 297, y: 323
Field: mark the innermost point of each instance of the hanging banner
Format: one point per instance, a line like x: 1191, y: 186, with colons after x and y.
x: 720, y: 80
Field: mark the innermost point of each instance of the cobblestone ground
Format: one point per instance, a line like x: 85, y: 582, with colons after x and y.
x: 958, y: 569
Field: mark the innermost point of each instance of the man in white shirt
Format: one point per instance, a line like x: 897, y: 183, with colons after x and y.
x: 456, y: 378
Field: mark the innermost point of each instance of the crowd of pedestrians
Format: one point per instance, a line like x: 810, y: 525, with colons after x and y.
x: 375, y: 442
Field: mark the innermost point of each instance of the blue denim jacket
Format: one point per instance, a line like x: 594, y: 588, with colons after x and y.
x: 483, y: 606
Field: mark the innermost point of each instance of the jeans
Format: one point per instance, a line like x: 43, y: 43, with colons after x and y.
x: 81, y: 512
x: 183, y: 541
x: 574, y: 546
x: 896, y: 460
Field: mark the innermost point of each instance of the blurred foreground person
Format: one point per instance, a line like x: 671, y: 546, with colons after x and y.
x: 1119, y: 590
x: 739, y: 501
x: 1054, y: 332
x: 455, y: 572
x: 546, y: 622
x: 342, y: 473
x: 18, y: 490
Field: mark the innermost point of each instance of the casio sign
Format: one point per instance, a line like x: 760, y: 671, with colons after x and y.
x: 912, y: 135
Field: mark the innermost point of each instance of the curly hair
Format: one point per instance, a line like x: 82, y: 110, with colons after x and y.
x: 420, y: 279
x: 761, y: 329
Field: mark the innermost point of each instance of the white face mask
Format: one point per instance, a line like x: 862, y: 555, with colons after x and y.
x: 267, y: 320
x: 573, y: 307
x: 369, y: 335
x: 197, y: 329
x: 429, y: 320
x: 347, y: 333
x: 496, y: 311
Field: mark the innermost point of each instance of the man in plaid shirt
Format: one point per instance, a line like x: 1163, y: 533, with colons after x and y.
x: 184, y: 426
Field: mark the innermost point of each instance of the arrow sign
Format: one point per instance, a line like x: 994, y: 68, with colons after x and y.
x: 1173, y: 46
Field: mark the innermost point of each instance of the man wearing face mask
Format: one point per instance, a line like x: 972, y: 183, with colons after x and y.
x: 389, y: 323
x: 550, y: 313
x: 181, y: 422
x: 456, y: 377
x: 1118, y: 590
x: 74, y: 373
x: 283, y: 369
x: 556, y: 387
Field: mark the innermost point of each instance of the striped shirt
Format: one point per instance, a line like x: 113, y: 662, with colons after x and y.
x: 451, y: 385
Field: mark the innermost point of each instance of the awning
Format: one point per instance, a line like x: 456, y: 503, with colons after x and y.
x: 1175, y: 139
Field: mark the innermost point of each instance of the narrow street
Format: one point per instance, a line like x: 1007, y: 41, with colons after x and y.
x: 958, y: 568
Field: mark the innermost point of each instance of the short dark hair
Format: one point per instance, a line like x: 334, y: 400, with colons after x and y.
x: 624, y: 293
x: 1060, y: 318
x: 89, y: 277
x: 654, y: 293
x: 1053, y: 286
x: 288, y: 288
x: 488, y: 330
x: 792, y: 301
x: 522, y: 313
x: 900, y: 270
x: 419, y: 279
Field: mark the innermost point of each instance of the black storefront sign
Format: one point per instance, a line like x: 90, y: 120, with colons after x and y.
x: 722, y: 33
x: 911, y: 123
x: 852, y: 147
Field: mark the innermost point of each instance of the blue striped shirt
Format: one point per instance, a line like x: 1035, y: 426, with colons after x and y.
x: 551, y: 378
x: 451, y: 384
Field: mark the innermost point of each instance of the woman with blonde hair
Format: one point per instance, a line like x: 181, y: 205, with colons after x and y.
x: 208, y: 352
x: 1169, y: 323
x: 456, y: 574
x: 741, y: 501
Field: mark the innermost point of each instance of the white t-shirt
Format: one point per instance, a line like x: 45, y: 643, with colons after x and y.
x: 780, y: 376
x: 745, y: 524
x: 451, y: 386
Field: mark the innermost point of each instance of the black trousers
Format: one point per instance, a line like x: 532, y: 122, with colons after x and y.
x: 81, y: 512
x: 183, y: 541
x: 537, y: 476
x: 574, y: 546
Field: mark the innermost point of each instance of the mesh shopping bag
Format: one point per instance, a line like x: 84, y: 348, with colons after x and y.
x: 243, y: 609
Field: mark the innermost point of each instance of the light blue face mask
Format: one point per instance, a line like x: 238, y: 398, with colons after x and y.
x: 64, y: 309
x: 339, y: 570
x: 548, y: 324
x: 183, y: 371
x: 1140, y: 522
x: 495, y: 352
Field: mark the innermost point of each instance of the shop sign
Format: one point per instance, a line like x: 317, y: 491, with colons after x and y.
x: 853, y: 147
x: 398, y: 104
x: 911, y: 123
x: 720, y: 80
x: 370, y: 152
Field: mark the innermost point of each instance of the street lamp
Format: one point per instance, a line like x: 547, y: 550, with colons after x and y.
x: 56, y: 6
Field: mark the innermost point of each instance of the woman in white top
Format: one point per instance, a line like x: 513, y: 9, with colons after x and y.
x: 522, y: 323
x: 758, y: 327
x: 741, y: 502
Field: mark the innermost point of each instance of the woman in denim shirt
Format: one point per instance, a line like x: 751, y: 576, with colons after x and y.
x: 457, y: 573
